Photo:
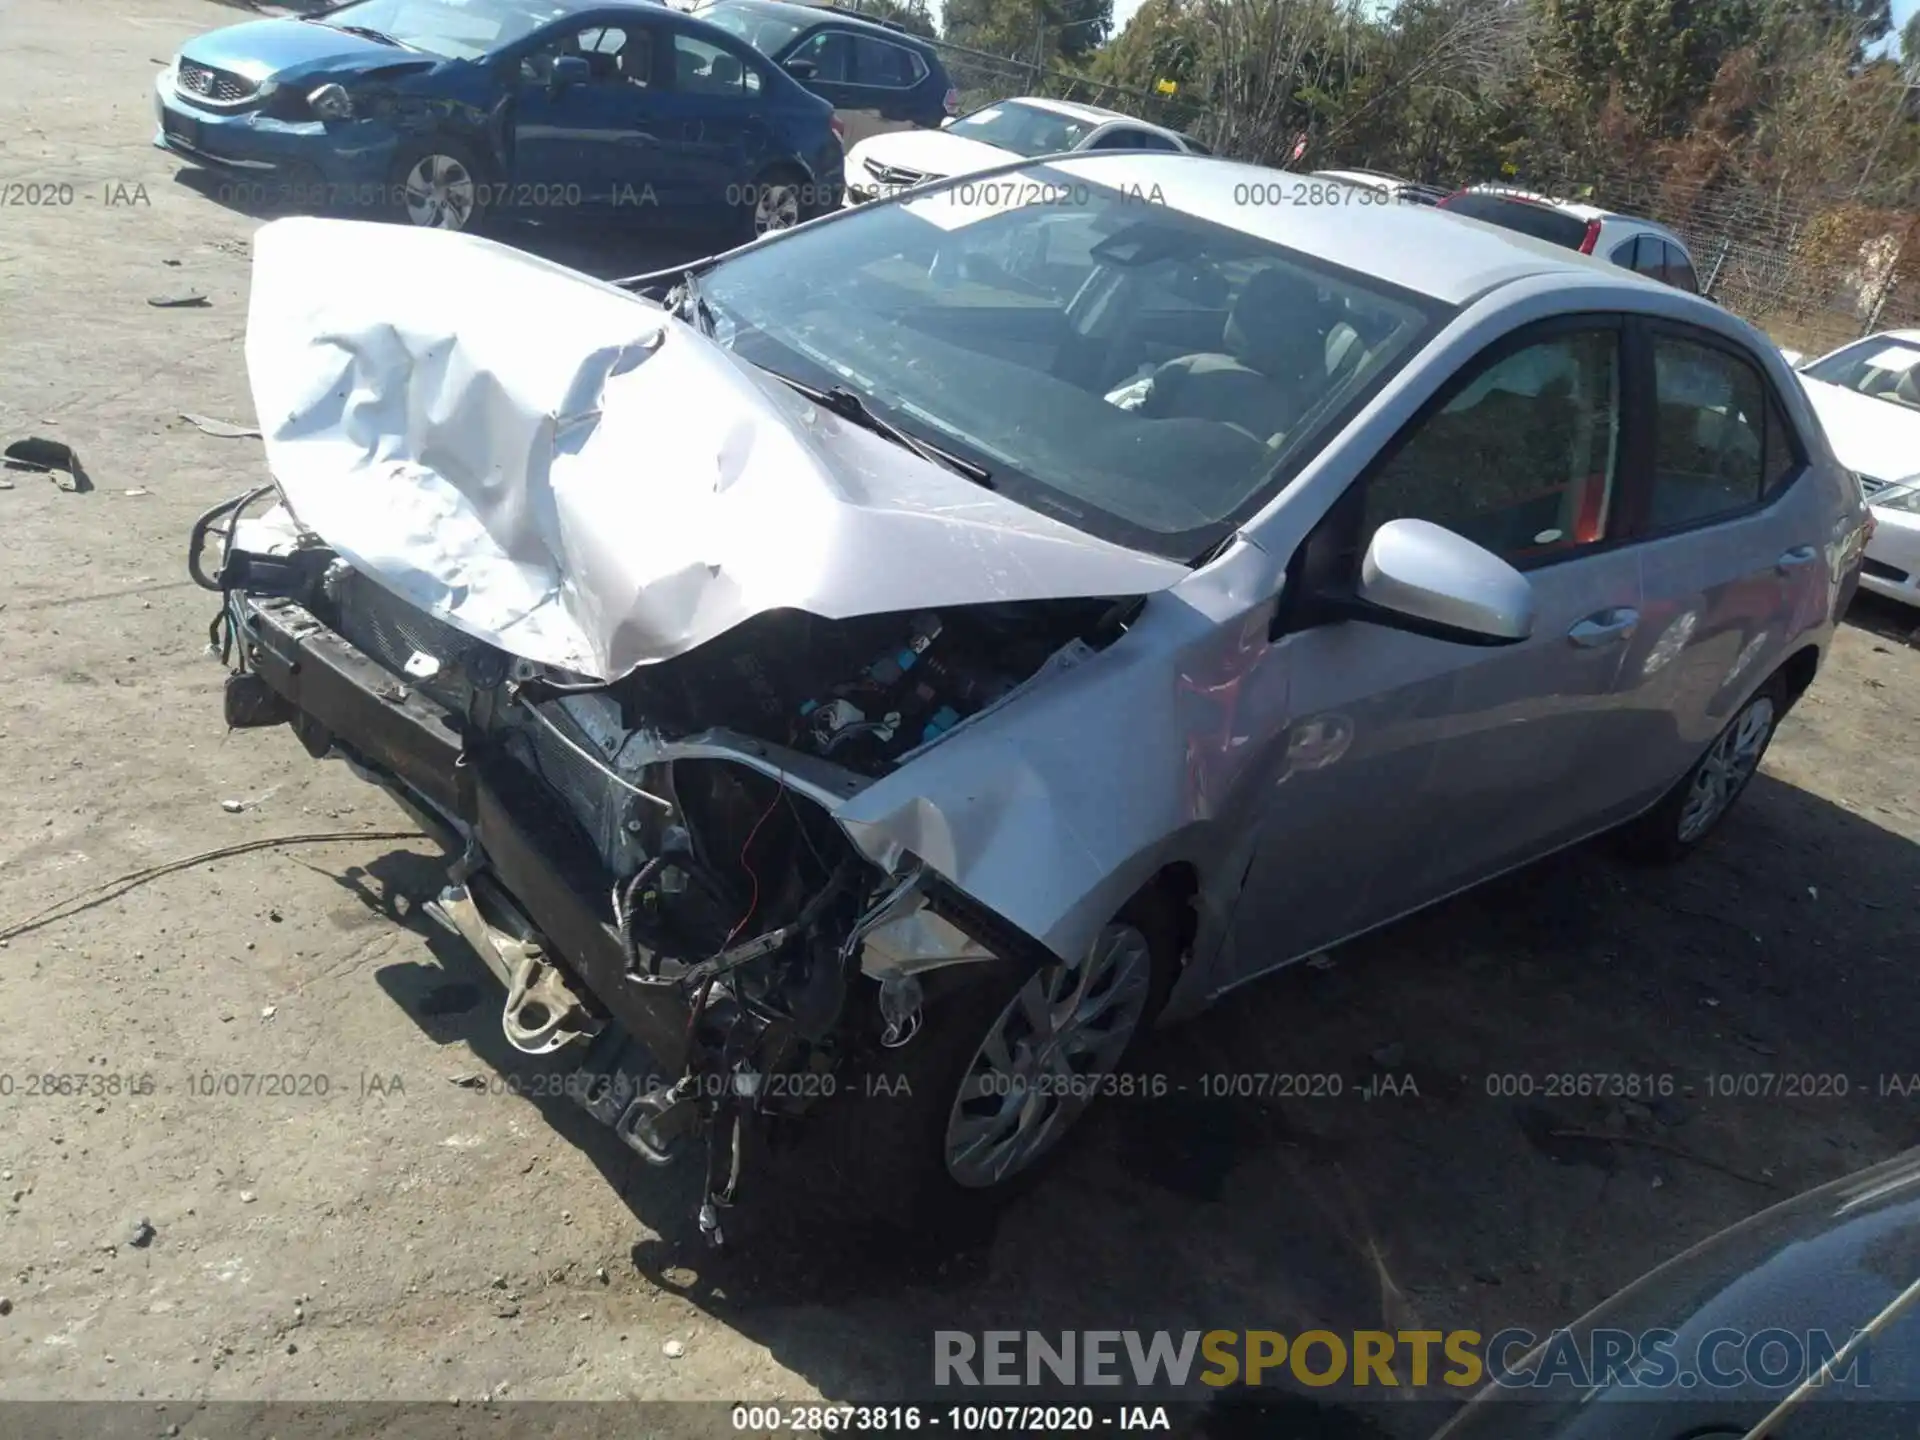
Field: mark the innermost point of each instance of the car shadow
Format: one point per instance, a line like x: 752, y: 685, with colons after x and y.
x: 1495, y: 1113
x: 457, y: 1000
x: 1888, y: 619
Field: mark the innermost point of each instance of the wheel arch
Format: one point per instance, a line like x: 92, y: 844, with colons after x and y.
x: 1797, y: 672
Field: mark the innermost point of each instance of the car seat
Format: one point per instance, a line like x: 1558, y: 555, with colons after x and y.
x: 1274, y: 359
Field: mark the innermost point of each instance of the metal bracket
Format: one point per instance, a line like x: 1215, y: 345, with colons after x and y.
x: 542, y: 1013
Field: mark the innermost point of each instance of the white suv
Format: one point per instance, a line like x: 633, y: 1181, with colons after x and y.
x: 1626, y: 240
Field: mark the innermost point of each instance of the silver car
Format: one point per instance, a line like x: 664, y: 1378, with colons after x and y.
x: 868, y: 679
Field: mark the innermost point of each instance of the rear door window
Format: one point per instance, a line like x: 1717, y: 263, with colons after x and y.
x: 887, y: 67
x: 702, y: 68
x: 1710, y: 434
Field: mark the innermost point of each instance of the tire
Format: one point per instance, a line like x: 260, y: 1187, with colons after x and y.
x: 879, y: 1153
x: 1694, y: 808
x: 438, y: 183
x: 775, y: 201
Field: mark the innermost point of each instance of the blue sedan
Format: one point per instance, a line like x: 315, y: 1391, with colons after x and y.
x: 443, y: 112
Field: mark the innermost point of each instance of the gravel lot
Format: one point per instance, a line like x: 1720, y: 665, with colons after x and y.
x: 405, y: 1236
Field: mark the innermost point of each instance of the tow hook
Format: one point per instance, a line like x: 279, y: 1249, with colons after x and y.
x: 657, y: 1120
x: 541, y: 1013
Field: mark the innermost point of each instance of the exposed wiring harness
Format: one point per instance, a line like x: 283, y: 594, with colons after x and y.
x: 229, y: 510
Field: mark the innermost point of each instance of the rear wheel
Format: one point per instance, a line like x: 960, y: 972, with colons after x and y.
x: 1695, y: 806
x: 777, y: 200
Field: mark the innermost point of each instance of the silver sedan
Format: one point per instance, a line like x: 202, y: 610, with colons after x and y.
x: 873, y: 676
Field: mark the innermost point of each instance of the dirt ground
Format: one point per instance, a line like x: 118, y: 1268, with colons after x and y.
x: 405, y: 1236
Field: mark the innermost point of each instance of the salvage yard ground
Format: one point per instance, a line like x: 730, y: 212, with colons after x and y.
x: 391, y: 1219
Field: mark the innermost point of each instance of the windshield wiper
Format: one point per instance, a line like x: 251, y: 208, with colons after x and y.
x: 365, y: 32
x: 845, y: 403
x: 692, y: 305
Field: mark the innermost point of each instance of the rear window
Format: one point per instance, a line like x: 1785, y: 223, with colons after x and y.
x: 1524, y: 216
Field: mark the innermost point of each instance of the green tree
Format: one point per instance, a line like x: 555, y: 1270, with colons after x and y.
x: 1030, y: 30
x: 912, y: 14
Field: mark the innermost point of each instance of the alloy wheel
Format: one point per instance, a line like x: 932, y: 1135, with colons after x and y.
x: 1045, y: 1057
x: 1727, y: 768
x: 440, y: 193
x: 776, y: 207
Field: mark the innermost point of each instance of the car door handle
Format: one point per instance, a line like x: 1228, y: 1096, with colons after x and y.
x: 1791, y: 560
x: 1604, y: 627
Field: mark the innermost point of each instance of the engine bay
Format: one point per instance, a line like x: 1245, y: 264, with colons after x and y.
x: 866, y: 692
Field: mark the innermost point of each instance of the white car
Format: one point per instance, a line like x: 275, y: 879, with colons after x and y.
x: 1867, y: 395
x: 1626, y: 240
x: 884, y: 165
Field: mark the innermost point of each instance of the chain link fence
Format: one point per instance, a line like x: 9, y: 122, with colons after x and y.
x: 1813, y: 271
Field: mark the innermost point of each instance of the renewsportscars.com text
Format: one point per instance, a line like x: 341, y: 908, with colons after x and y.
x: 1458, y: 1359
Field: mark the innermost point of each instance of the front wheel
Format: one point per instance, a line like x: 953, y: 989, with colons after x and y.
x: 941, y: 1132
x: 1695, y: 806
x: 438, y: 184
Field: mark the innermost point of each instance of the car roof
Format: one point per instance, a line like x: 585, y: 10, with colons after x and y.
x: 1574, y: 208
x: 1361, y: 175
x: 1449, y: 257
x: 1074, y: 108
x: 1095, y: 113
x: 801, y: 14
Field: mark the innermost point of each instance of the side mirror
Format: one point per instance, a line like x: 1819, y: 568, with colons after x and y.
x: 802, y: 69
x: 1793, y: 358
x: 948, y: 121
x: 568, y: 71
x: 1422, y: 577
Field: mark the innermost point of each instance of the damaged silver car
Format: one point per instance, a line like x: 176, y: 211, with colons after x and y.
x: 872, y: 676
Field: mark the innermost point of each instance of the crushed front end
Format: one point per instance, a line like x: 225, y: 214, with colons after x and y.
x: 650, y: 866
x: 638, y: 629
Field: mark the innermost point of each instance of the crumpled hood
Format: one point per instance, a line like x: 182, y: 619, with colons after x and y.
x: 558, y: 467
x: 283, y: 48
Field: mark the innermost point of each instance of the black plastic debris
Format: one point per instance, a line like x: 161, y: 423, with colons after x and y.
x: 50, y: 457
x: 190, y: 300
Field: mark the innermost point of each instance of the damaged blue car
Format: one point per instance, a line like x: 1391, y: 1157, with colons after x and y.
x: 444, y: 113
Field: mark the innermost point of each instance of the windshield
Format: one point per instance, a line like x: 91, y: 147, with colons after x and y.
x: 1142, y: 374
x: 1881, y: 366
x: 767, y: 31
x: 1524, y: 216
x: 1023, y: 129
x: 457, y: 29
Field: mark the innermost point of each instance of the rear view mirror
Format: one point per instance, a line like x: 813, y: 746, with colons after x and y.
x: 802, y: 69
x: 568, y: 71
x: 1422, y: 577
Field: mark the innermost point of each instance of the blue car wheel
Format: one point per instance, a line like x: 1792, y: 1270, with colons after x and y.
x: 439, y: 185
